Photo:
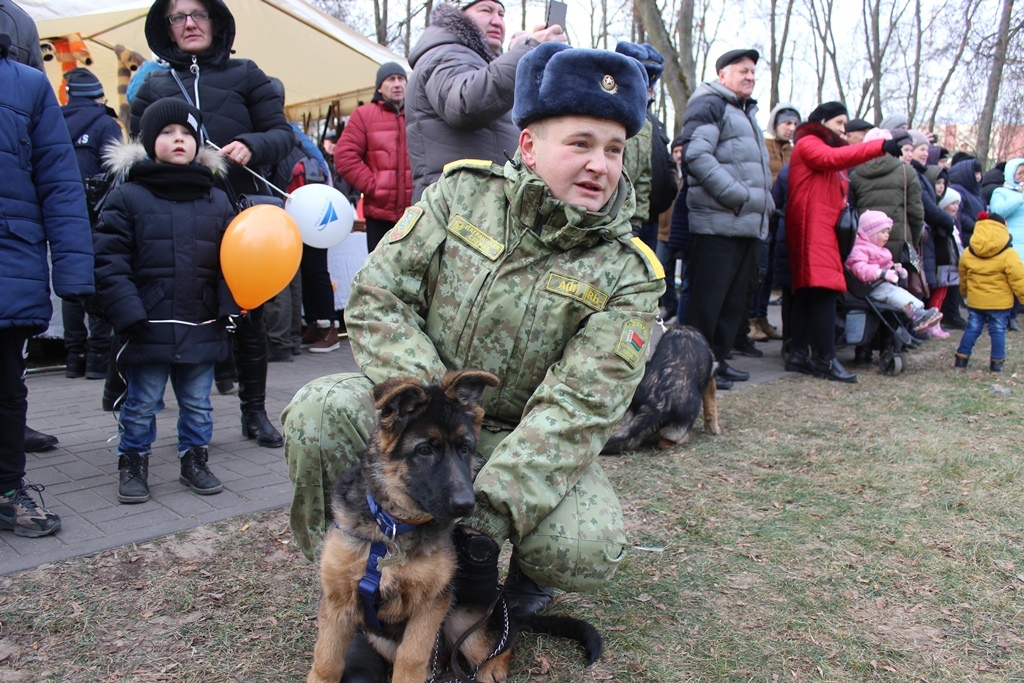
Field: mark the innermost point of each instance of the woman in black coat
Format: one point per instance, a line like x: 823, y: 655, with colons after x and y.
x: 244, y: 116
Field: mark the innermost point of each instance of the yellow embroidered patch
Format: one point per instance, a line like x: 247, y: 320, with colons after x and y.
x: 405, y: 224
x: 574, y: 289
x: 467, y: 163
x: 653, y: 263
x: 476, y: 238
x: 632, y: 346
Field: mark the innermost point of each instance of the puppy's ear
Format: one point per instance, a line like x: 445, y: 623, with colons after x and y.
x: 467, y: 386
x: 397, y: 399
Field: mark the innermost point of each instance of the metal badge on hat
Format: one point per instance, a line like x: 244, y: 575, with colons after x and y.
x: 609, y: 85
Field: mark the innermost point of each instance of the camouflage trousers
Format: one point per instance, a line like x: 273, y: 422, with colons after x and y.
x: 577, y: 547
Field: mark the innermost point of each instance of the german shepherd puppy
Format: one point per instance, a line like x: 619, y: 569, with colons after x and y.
x: 419, y: 467
x: 678, y: 382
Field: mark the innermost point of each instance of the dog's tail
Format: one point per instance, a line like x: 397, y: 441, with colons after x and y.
x: 567, y: 627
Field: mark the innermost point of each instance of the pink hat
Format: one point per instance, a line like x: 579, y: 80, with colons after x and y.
x: 877, y: 134
x: 872, y: 222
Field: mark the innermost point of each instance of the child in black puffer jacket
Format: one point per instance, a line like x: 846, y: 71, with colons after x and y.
x: 158, y: 276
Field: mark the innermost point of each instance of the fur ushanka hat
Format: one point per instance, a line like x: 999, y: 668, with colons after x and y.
x: 554, y: 79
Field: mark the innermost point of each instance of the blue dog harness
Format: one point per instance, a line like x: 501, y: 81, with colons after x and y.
x: 369, y: 585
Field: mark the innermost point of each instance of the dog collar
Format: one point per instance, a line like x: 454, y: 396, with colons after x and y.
x: 369, y: 585
x: 388, y: 524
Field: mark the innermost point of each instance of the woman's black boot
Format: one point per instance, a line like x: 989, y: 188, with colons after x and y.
x: 829, y: 367
x: 250, y: 348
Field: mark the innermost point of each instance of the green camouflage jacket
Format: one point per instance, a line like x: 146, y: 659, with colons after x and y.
x: 636, y: 162
x: 488, y: 271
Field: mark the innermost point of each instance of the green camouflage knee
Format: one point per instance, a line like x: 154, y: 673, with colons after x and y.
x: 580, y: 543
x: 326, y: 427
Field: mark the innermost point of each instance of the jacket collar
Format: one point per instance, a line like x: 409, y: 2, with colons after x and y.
x: 560, y: 225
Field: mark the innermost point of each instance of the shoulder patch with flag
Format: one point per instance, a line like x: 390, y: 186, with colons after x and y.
x: 405, y: 224
x: 632, y: 346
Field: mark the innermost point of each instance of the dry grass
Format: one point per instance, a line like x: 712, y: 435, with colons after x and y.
x: 833, y: 533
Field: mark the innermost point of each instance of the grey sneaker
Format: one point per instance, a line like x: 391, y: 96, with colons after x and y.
x: 20, y: 513
x: 923, y: 318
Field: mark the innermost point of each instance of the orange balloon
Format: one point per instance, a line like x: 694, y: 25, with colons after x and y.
x: 260, y: 254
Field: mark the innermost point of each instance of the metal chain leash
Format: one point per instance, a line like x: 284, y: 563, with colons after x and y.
x: 505, y: 632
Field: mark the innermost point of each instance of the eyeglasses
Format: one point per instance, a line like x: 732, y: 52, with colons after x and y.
x: 180, y: 19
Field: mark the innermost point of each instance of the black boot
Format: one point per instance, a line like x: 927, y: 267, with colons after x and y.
x: 96, y: 363
x: 799, y: 360
x: 363, y: 664
x: 256, y: 425
x: 995, y: 365
x: 745, y: 347
x: 829, y: 367
x: 250, y: 349
x: 37, y: 441
x: 961, y: 361
x: 476, y: 578
x: 75, y: 365
x: 133, y: 471
x: 196, y: 475
x: 523, y: 595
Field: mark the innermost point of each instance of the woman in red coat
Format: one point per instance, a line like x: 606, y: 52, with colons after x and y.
x: 818, y: 190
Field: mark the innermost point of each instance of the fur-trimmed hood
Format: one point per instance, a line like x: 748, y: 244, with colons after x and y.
x: 449, y: 25
x: 121, y: 156
x: 826, y: 135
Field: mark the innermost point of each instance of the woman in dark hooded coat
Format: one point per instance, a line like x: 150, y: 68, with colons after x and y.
x: 244, y: 116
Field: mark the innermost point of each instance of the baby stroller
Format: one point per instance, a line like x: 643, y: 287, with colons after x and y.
x: 869, y: 323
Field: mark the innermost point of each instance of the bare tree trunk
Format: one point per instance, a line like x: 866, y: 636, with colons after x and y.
x: 427, y: 9
x: 970, y: 9
x: 408, y: 27
x: 915, y: 78
x: 679, y: 82
x: 380, y: 20
x: 994, y: 78
x: 778, y: 47
x: 871, y: 10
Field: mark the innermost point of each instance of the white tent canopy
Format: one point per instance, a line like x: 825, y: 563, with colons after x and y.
x: 319, y: 59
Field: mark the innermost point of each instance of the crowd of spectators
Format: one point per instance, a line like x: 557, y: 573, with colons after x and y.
x: 732, y: 212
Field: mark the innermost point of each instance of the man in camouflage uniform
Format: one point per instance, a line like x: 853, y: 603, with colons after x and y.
x: 528, y: 271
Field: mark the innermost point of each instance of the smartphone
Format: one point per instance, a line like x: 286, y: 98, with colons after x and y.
x: 556, y: 14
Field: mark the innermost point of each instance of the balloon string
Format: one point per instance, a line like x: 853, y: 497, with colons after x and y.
x: 272, y: 185
x: 184, y: 322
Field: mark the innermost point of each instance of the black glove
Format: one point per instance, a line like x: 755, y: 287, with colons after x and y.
x: 135, y: 330
x: 476, y: 579
x: 895, y: 146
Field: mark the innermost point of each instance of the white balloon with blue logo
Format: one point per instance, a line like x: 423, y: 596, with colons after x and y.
x: 322, y: 213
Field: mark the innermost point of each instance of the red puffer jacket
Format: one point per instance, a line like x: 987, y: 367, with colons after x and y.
x: 373, y: 157
x: 818, y: 187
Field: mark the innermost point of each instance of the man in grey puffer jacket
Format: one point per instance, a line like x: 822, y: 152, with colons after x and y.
x: 729, y: 201
x: 459, y: 101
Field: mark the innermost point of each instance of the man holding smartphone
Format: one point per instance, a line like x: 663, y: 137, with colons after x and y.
x: 459, y: 98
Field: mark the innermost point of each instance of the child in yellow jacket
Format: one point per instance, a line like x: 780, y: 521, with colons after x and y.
x: 991, y: 274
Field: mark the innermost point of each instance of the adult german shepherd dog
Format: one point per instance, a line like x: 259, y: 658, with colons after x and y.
x: 399, y: 508
x: 679, y: 382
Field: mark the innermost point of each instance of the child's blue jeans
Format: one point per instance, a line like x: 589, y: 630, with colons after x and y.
x: 146, y: 384
x: 976, y: 321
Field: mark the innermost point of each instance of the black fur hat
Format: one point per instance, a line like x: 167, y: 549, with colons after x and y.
x: 645, y: 53
x: 827, y: 110
x: 554, y: 79
x: 163, y: 113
